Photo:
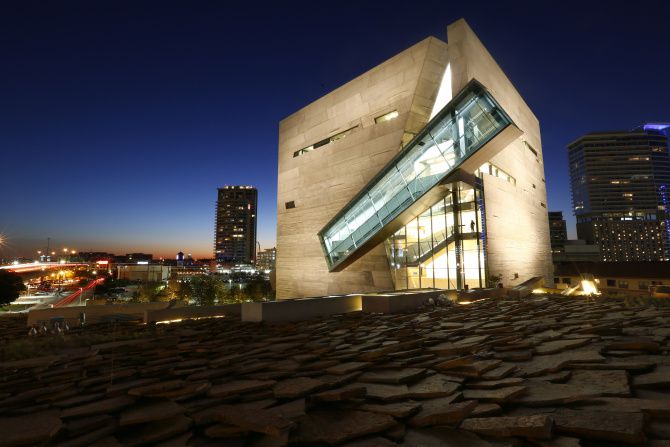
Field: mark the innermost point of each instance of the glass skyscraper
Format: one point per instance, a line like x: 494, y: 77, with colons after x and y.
x: 618, y: 182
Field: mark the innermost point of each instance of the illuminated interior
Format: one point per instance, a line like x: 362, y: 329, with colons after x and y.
x: 443, y: 247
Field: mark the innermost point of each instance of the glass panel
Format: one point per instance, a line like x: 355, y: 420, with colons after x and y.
x: 451, y: 265
x: 400, y: 248
x: 427, y: 277
x: 441, y: 270
x: 412, y: 237
x: 439, y: 223
x: 425, y: 233
x: 470, y: 261
x: 413, y: 278
x: 462, y: 127
x: 362, y: 220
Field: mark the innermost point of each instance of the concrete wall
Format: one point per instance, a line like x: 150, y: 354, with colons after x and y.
x: 296, y: 310
x: 321, y: 182
x: 93, y: 313
x: 183, y: 313
x: 517, y: 220
x: 390, y: 304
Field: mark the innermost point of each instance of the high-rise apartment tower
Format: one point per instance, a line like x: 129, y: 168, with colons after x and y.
x: 619, y: 181
x: 235, y: 231
x: 558, y: 231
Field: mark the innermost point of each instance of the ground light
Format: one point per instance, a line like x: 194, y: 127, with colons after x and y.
x: 589, y: 287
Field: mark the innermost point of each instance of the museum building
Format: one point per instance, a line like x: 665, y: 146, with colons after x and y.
x: 424, y: 172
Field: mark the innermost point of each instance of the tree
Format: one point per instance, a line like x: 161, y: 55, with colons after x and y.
x: 258, y: 289
x: 181, y: 290
x: 206, y: 290
x: 151, y: 291
x: 11, y: 285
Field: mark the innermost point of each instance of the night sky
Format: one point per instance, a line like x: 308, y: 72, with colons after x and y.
x: 119, y: 119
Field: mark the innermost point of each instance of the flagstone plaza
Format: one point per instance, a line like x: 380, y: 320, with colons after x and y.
x: 543, y: 371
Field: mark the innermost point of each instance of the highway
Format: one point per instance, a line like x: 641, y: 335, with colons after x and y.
x: 70, y: 299
x: 37, y: 266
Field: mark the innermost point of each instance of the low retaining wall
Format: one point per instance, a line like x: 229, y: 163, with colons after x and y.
x: 477, y: 294
x: 303, y: 309
x: 183, y: 313
x: 398, y: 302
x: 94, y: 314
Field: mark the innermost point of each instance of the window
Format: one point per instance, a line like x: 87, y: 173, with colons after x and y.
x: 643, y: 285
x: 290, y: 205
x: 623, y: 284
x: 530, y: 148
x: 566, y: 281
x: 318, y: 144
x: 611, y: 283
x: 556, y: 280
x: 491, y: 169
x: 386, y: 117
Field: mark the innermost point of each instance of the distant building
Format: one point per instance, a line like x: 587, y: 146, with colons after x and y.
x: 235, y: 232
x: 618, y: 181
x: 143, y: 272
x: 94, y: 256
x: 577, y: 251
x: 188, y: 271
x: 180, y: 259
x: 629, y: 278
x: 266, y: 259
x: 558, y: 231
x: 135, y: 257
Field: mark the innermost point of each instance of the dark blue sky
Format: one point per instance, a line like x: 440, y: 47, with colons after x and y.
x: 119, y: 119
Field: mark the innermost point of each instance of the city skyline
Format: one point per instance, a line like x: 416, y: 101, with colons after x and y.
x: 121, y: 121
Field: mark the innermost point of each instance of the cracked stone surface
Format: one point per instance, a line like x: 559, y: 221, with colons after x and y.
x: 543, y: 371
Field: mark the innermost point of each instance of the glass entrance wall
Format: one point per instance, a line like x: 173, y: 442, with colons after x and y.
x: 463, y: 127
x: 444, y: 246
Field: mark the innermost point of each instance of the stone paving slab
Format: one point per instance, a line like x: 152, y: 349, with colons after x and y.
x: 601, y: 425
x: 536, y: 426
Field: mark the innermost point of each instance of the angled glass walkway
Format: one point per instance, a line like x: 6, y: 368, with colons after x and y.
x: 461, y: 128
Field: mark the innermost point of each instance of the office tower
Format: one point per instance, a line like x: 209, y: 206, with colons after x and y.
x: 235, y: 232
x: 426, y: 171
x: 618, y: 181
x: 558, y: 231
x: 266, y: 259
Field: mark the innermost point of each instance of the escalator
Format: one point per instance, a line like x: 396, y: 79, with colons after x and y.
x: 468, y: 131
